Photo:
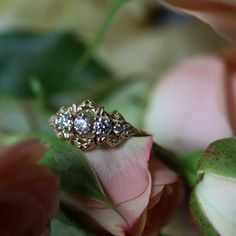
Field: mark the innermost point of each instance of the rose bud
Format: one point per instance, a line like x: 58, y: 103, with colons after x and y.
x: 221, y: 15
x: 142, y: 190
x: 195, y: 103
x: 29, y: 193
x: 213, y: 201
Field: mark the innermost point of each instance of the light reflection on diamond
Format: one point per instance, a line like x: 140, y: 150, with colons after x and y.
x: 118, y: 128
x: 82, y: 124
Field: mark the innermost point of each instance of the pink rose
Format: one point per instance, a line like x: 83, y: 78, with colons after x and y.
x: 143, y: 190
x: 195, y: 103
x: 220, y: 14
x: 29, y: 193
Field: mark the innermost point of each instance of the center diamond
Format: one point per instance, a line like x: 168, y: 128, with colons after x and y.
x: 82, y: 124
x: 102, y: 126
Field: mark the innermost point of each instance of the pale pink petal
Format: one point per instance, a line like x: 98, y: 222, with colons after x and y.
x: 125, y: 177
x: 161, y: 174
x: 123, y: 171
x: 110, y: 220
x: 188, y: 107
x: 220, y: 14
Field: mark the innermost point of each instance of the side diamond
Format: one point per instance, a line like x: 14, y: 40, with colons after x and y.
x: 118, y: 128
x: 102, y: 126
x: 64, y: 122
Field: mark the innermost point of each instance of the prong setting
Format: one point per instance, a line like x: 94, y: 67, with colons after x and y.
x: 88, y: 126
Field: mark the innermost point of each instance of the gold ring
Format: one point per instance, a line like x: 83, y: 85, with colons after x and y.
x: 89, y: 126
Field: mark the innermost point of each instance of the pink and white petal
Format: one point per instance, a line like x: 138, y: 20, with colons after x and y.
x: 110, y: 220
x: 188, y: 108
x: 161, y: 174
x: 123, y: 171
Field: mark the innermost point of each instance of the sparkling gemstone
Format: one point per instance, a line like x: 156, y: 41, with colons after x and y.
x: 64, y: 122
x: 118, y: 128
x: 127, y: 130
x: 82, y: 124
x: 102, y: 126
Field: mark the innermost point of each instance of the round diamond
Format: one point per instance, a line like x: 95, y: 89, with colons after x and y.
x: 127, y: 129
x: 82, y: 124
x: 118, y: 128
x: 64, y: 122
x: 102, y: 126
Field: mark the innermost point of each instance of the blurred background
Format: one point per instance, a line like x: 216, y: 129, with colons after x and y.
x: 41, y: 46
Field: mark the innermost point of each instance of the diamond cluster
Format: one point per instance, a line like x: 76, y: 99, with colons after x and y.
x: 88, y: 125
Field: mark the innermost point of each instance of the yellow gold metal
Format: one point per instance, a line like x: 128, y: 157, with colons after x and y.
x: 89, y: 126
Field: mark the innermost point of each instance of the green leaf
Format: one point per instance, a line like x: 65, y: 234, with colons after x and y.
x: 49, y: 57
x: 76, y: 175
x: 59, y: 228
x: 220, y: 158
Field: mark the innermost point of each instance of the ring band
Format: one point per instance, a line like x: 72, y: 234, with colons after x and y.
x: 89, y: 126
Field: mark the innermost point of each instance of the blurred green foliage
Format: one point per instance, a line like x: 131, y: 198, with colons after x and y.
x: 50, y: 57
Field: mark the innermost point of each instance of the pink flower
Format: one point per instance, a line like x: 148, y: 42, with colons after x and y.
x: 29, y: 193
x: 195, y: 103
x: 220, y: 14
x: 143, y: 190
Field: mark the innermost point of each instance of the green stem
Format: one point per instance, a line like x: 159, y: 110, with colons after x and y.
x: 115, y: 9
x: 184, y: 164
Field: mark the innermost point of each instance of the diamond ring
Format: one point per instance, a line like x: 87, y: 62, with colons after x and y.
x: 89, y: 126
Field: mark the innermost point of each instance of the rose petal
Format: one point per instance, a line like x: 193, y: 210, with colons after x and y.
x: 110, y: 220
x: 125, y: 177
x: 221, y: 15
x: 21, y: 214
x: 188, y: 108
x: 161, y: 174
x: 123, y: 171
x: 29, y: 193
x: 159, y: 215
x: 26, y: 151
